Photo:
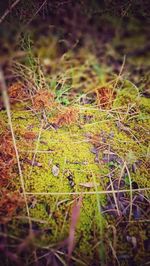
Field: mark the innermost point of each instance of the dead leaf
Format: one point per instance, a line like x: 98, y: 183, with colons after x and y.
x: 132, y: 240
x: 55, y: 170
x: 74, y: 219
x: 33, y: 163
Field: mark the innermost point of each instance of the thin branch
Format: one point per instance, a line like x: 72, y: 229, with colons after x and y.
x: 8, y: 10
x: 120, y: 72
x: 112, y: 187
x: 105, y: 192
x: 37, y: 11
x: 131, y: 192
x: 36, y: 149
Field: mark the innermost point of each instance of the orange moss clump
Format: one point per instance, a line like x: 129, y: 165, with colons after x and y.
x: 17, y: 92
x: 105, y: 97
x: 67, y: 117
x: 29, y: 135
x: 9, y: 203
x: 9, y: 200
x: 43, y: 99
x: 7, y: 157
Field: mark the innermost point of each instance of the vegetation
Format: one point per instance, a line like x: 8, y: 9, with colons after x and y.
x: 74, y: 136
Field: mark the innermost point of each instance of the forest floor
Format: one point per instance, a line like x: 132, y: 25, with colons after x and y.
x: 74, y: 148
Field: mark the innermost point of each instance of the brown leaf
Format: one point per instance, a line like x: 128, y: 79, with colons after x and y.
x: 74, y: 219
x: 33, y: 163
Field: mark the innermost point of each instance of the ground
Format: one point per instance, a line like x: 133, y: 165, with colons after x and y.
x: 81, y: 126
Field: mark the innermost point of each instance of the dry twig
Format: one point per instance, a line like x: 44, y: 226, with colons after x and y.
x: 8, y: 10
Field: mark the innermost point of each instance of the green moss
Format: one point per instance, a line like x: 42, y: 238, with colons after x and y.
x: 68, y: 154
x: 69, y: 149
x: 127, y: 95
x: 144, y: 104
x: 72, y: 76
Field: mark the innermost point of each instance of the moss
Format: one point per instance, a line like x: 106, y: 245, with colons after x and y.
x: 144, y: 104
x: 69, y: 149
x: 3, y: 121
x: 127, y: 95
x: 67, y: 154
x: 72, y: 76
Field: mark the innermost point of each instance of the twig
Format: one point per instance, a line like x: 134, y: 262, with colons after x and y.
x: 131, y: 192
x: 36, y: 149
x: 120, y: 73
x: 38, y: 10
x: 101, y: 244
x: 104, y: 192
x: 8, y: 10
x: 112, y: 187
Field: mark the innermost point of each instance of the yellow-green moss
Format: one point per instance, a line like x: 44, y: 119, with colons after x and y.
x: 69, y: 148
